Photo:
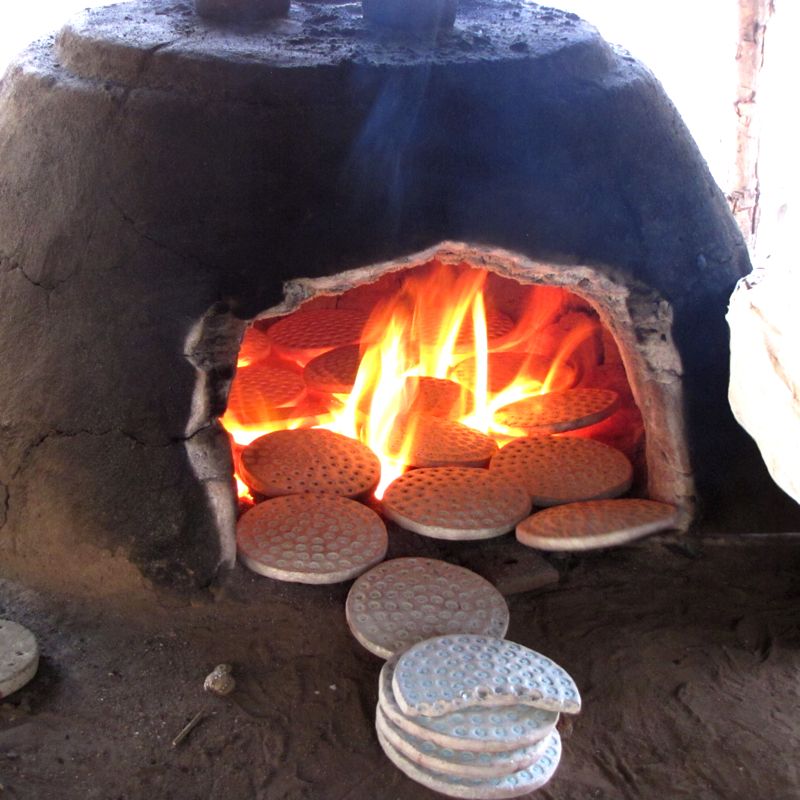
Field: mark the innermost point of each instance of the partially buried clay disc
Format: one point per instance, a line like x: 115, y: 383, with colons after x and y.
x: 455, y: 503
x: 434, y: 442
x: 309, y: 460
x: 516, y: 784
x: 260, y: 388
x: 560, y: 470
x: 483, y: 730
x: 334, y: 371
x: 308, y: 538
x: 505, y: 367
x: 451, y: 673
x: 559, y: 411
x: 19, y: 657
x: 405, y: 600
x: 305, y: 334
x: 461, y: 763
x: 595, y: 523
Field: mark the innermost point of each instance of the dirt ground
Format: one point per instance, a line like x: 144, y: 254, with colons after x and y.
x: 689, y: 666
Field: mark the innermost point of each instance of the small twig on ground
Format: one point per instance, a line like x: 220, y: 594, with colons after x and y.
x: 188, y: 728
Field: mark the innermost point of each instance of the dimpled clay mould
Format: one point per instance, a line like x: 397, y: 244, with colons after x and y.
x: 449, y: 673
x: 455, y: 503
x: 439, y: 442
x: 308, y: 538
x: 479, y: 729
x: 558, y: 470
x: 595, y: 523
x: 19, y: 657
x: 514, y: 785
x: 560, y: 411
x: 334, y: 371
x: 306, y: 334
x: 405, y: 600
x: 504, y: 367
x: 261, y: 388
x: 463, y: 763
x: 309, y: 460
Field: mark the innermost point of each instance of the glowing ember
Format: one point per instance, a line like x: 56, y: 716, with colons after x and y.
x: 440, y: 334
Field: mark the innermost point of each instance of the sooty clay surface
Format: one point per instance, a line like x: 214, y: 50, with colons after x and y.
x: 161, y: 176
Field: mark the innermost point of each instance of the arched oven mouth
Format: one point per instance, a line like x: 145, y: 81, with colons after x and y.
x: 462, y: 338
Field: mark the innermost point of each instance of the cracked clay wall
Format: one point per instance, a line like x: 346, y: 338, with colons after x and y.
x: 96, y: 389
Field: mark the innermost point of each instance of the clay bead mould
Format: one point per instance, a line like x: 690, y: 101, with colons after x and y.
x: 480, y: 729
x: 516, y: 784
x: 306, y: 334
x: 497, y: 326
x: 558, y: 470
x: 504, y: 367
x: 19, y: 657
x: 560, y: 411
x: 439, y: 442
x: 405, y: 600
x: 311, y: 538
x: 260, y: 388
x: 462, y: 763
x: 309, y: 460
x: 455, y: 503
x: 334, y: 371
x: 450, y: 673
x: 595, y: 523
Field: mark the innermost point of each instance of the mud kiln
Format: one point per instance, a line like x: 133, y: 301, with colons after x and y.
x: 162, y: 177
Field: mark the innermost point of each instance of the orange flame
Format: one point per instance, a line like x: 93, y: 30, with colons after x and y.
x: 439, y: 320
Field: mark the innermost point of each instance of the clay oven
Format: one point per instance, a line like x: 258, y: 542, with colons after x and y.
x: 165, y: 180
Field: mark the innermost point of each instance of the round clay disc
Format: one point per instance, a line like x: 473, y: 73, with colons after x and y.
x: 310, y: 538
x: 305, y: 334
x: 260, y: 388
x: 439, y: 442
x: 560, y: 470
x: 255, y: 347
x: 439, y: 397
x: 595, y: 523
x: 309, y: 460
x: 19, y: 657
x: 334, y: 371
x: 514, y: 785
x: 405, y: 600
x: 498, y: 325
x: 455, y: 503
x: 450, y: 673
x: 559, y: 411
x: 484, y: 730
x: 430, y: 397
x: 505, y: 367
x: 461, y: 763
x: 308, y: 412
